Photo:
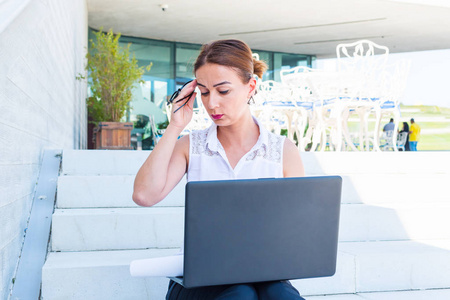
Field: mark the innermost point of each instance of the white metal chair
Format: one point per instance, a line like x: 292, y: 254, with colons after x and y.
x: 361, y: 64
x: 393, y: 85
x: 401, y: 140
x: 297, y: 80
x: 277, y: 109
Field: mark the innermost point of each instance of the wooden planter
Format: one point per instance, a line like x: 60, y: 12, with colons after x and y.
x: 113, y: 135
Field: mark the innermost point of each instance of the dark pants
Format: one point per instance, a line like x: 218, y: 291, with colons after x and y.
x: 253, y: 291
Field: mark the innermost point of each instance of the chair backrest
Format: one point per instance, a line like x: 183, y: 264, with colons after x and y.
x: 363, y: 62
x: 394, y: 80
x: 294, y: 76
x: 401, y: 139
x: 270, y: 92
x: 362, y: 56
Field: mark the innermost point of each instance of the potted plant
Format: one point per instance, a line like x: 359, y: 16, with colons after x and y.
x: 112, y: 72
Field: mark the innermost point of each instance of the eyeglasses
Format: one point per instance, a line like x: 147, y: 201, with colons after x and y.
x: 175, y: 95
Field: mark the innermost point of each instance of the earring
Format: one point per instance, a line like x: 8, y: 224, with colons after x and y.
x: 251, y: 100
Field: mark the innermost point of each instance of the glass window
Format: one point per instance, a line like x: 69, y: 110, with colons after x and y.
x: 283, y: 61
x: 185, y: 58
x: 267, y: 58
x: 149, y: 97
x: 173, y: 65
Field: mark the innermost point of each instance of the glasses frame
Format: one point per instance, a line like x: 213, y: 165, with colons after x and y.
x: 177, y: 92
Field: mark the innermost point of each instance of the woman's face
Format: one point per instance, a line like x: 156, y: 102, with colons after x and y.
x: 223, y: 93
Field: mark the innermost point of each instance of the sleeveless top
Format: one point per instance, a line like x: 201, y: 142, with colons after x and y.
x: 208, y: 160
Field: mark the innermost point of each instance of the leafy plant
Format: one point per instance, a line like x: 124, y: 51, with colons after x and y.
x: 112, y: 72
x: 162, y: 125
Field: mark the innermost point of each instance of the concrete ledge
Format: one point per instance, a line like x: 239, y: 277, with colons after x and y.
x: 105, y: 275
x: 317, y: 163
x: 362, y: 267
x: 102, y: 162
x: 121, y: 162
x: 125, y: 228
x: 116, y: 191
x: 161, y: 227
x: 106, y: 191
x: 408, y: 265
x: 394, y: 222
x: 100, y: 275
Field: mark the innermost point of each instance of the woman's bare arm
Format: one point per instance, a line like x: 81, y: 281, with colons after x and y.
x: 167, y: 163
x: 292, y: 162
x: 162, y: 170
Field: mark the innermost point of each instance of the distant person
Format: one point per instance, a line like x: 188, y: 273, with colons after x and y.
x: 389, y: 126
x: 406, y: 129
x: 414, y: 135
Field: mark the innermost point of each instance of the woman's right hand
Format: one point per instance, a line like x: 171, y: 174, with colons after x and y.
x: 180, y: 117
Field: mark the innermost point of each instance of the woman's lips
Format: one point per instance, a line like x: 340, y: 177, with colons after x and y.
x: 217, y: 117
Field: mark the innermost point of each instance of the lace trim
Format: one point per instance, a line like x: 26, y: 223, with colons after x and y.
x: 270, y: 151
x: 198, y: 140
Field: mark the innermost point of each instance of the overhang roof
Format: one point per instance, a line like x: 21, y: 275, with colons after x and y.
x: 313, y: 27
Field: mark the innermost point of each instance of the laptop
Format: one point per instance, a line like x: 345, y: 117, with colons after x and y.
x: 241, y: 231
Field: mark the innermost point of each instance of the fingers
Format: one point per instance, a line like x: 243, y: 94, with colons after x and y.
x: 185, y: 97
x: 190, y: 104
x: 186, y: 91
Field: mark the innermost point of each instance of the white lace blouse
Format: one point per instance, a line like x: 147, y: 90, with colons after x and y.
x: 208, y: 160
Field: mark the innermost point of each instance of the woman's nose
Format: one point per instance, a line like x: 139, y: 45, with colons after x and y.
x: 213, y: 101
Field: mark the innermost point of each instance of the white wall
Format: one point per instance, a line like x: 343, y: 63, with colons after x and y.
x: 428, y: 78
x: 41, y: 106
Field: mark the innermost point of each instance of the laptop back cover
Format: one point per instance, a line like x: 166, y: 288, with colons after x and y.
x: 239, y: 231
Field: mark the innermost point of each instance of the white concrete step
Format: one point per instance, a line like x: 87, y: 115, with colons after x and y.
x: 407, y: 265
x: 106, y: 191
x: 434, y: 294
x: 161, y: 227
x: 116, y: 191
x: 394, y: 222
x: 362, y: 268
x: 102, y: 162
x: 122, y: 162
x: 117, y: 228
x: 100, y: 275
x: 343, y: 163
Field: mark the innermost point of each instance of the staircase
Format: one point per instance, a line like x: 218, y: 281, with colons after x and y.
x: 394, y: 230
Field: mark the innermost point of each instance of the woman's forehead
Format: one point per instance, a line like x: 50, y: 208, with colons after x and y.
x: 212, y: 75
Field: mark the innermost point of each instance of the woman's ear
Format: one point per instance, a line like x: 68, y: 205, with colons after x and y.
x: 252, y: 85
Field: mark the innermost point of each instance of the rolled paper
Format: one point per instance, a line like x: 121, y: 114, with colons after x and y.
x: 166, y: 266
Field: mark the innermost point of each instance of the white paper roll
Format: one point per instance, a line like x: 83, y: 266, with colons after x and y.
x: 167, y: 266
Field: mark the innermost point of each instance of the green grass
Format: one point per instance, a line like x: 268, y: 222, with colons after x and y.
x: 434, y: 122
x: 434, y: 117
x: 434, y: 142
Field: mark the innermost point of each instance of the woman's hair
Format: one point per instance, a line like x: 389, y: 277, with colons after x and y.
x: 234, y: 54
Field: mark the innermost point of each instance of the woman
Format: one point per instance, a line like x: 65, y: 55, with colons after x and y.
x: 234, y: 147
x: 406, y: 129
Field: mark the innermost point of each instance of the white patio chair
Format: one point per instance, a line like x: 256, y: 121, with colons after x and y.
x: 401, y: 140
x: 360, y: 64
x: 277, y: 109
x: 297, y: 80
x: 394, y: 80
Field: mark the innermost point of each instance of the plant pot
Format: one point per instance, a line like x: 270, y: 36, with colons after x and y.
x: 113, y: 135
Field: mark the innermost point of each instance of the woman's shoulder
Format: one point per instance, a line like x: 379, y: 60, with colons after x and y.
x: 198, y: 139
x: 292, y: 162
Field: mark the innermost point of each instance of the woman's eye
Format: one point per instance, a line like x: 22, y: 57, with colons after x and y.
x: 224, y: 92
x: 205, y: 93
